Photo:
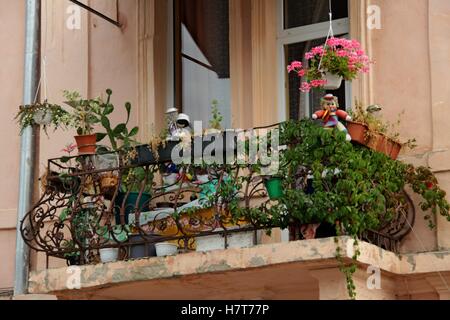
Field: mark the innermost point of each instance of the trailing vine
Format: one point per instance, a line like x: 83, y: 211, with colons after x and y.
x: 354, y: 188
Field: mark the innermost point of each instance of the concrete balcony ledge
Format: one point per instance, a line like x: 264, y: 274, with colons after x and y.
x: 265, y: 260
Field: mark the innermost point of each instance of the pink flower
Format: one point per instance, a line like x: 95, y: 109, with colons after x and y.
x: 342, y: 53
x: 305, y: 87
x: 317, y: 50
x: 301, y: 73
x: 355, y: 44
x: 294, y: 65
x: 69, y: 148
x: 333, y: 42
x: 318, y: 83
x: 360, y: 52
x: 309, y: 55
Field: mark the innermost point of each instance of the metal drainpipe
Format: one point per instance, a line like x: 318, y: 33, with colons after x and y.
x: 28, y: 140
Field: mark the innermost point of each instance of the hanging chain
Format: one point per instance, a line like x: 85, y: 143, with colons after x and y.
x: 330, y: 31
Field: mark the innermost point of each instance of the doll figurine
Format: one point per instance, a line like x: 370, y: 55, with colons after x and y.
x: 330, y: 114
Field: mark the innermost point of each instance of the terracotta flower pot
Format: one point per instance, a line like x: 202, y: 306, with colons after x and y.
x: 390, y: 147
x: 358, y: 131
x: 86, y: 144
x: 381, y: 143
x: 396, y: 147
x: 375, y: 141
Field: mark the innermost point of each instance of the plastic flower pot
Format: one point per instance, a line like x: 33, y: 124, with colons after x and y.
x: 130, y: 204
x: 139, y: 249
x: 166, y: 249
x: 217, y: 241
x: 145, y: 154
x: 86, y: 144
x: 170, y: 179
x: 358, y: 132
x: 274, y: 187
x: 109, y: 254
x: 333, y: 81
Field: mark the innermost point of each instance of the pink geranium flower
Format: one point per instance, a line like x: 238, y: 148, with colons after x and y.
x: 69, y: 148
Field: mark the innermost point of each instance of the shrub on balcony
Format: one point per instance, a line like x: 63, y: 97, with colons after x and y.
x: 355, y: 188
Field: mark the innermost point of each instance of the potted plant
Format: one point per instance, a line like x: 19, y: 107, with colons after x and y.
x: 43, y: 114
x: 328, y: 64
x: 368, y: 129
x: 113, y: 235
x: 274, y: 187
x: 71, y: 254
x: 166, y: 249
x: 134, y: 194
x: 121, y: 138
x: 84, y: 117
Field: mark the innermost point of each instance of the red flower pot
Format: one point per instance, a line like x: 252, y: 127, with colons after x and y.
x: 86, y: 144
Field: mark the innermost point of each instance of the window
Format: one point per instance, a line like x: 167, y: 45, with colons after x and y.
x: 303, y: 25
x: 202, y: 58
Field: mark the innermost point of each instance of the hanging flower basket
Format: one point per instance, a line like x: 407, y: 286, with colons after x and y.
x: 343, y: 59
x: 42, y: 117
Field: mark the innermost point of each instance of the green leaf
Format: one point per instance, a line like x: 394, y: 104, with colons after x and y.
x: 109, y: 108
x: 64, y: 214
x: 65, y: 159
x: 119, y: 129
x: 101, y: 136
x: 128, y: 107
x: 105, y: 122
x: 134, y: 132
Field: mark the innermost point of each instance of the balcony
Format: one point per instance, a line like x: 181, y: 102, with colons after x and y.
x: 152, y: 221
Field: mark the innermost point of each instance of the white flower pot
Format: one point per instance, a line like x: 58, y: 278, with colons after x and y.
x: 333, y: 81
x: 109, y: 254
x: 170, y: 179
x: 42, y: 117
x: 203, y: 178
x: 217, y: 242
x: 166, y: 249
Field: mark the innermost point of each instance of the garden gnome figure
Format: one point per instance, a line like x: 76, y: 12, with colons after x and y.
x: 184, y: 125
x: 330, y: 114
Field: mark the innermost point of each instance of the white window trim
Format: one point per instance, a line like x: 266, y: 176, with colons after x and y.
x: 301, y: 34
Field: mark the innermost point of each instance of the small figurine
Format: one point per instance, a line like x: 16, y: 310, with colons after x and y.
x: 330, y: 114
x: 171, y: 119
x: 184, y: 125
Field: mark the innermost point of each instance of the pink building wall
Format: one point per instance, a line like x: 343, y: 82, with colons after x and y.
x: 411, y: 50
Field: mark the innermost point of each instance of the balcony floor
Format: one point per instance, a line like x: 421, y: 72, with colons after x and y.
x: 292, y: 270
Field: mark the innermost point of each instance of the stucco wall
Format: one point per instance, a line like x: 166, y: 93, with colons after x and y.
x: 11, y: 79
x: 90, y: 59
x: 411, y: 51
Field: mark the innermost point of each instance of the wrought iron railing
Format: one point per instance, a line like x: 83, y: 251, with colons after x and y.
x: 94, y: 202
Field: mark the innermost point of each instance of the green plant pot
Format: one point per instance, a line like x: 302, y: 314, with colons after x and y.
x: 130, y: 204
x: 274, y: 187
